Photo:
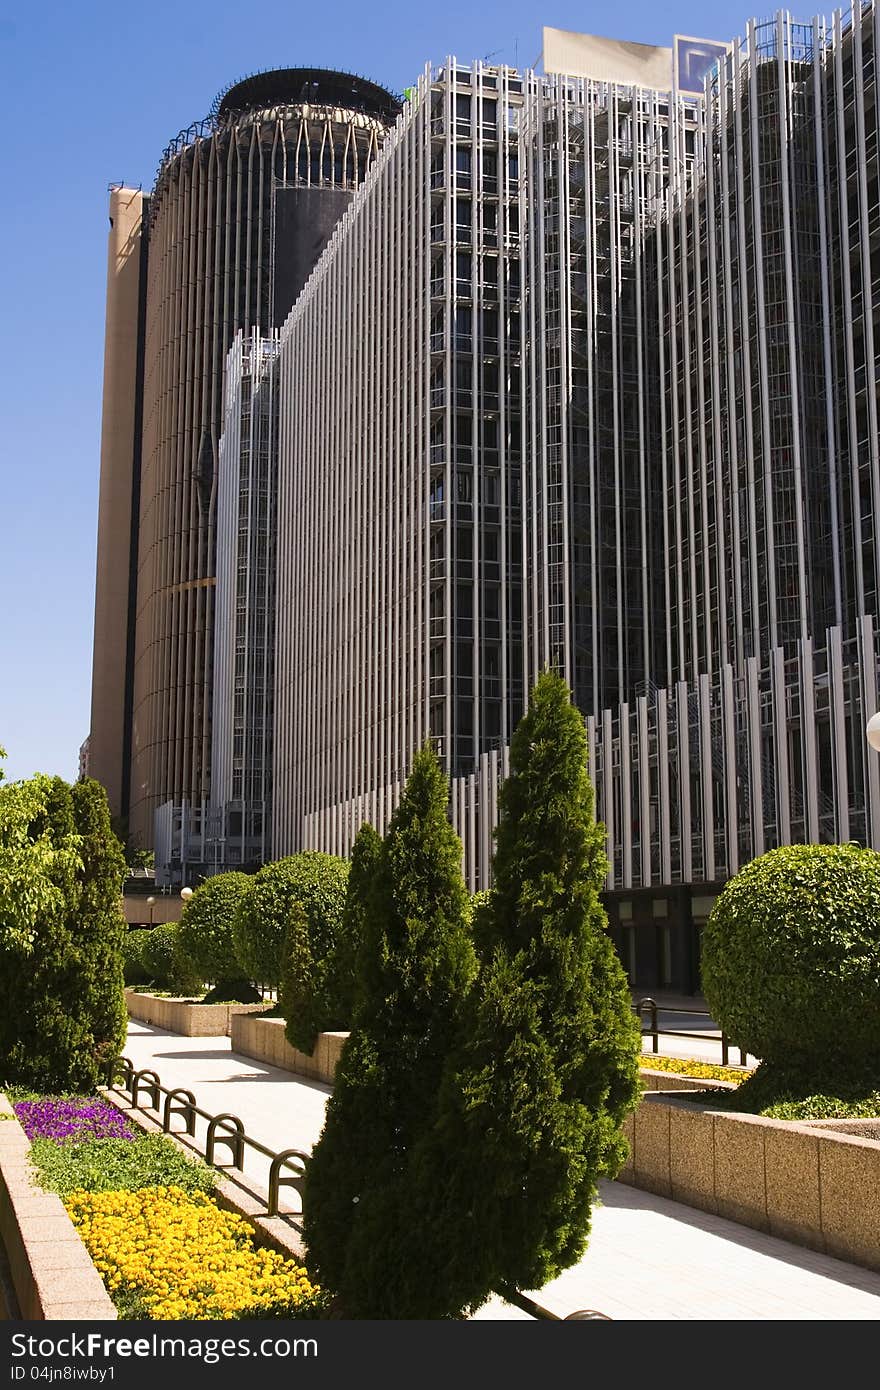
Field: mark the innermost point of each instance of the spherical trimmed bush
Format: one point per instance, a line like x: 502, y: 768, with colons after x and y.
x: 316, y: 881
x: 206, y: 928
x: 164, y: 962
x: 791, y: 955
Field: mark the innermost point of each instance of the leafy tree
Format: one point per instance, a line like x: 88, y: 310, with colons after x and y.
x: 37, y: 872
x: 101, y: 920
x: 206, y: 941
x: 316, y: 881
x: 534, y: 1097
x: 61, y: 1005
x: 417, y: 965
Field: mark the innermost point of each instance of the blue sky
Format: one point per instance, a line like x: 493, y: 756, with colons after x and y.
x: 93, y: 91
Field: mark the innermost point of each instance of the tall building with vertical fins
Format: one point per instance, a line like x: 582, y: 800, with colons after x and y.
x: 584, y: 373
x: 618, y: 328
x: 243, y: 203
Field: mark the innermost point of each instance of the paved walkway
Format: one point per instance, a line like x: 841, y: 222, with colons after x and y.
x: 649, y: 1258
x: 685, y: 1013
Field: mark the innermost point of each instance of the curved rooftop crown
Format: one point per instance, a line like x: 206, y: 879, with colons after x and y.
x: 319, y: 86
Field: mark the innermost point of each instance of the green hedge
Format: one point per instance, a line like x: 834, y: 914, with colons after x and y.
x: 316, y: 881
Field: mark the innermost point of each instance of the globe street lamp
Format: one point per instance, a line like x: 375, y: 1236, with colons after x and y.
x: 186, y: 894
x: 873, y: 731
x: 151, y: 903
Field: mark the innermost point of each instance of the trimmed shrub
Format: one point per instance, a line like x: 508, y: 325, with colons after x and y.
x: 317, y: 881
x: 791, y: 959
x: 314, y: 923
x: 167, y: 967
x: 417, y: 964
x: 534, y: 1097
x: 62, y: 1010
x: 344, y: 964
x: 134, y: 965
x: 205, y: 939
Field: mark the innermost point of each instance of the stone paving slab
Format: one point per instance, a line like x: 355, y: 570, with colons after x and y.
x: 649, y: 1258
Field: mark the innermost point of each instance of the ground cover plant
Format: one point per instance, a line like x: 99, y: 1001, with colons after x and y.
x: 701, y: 1071
x: 144, y: 1210
x: 783, y: 1095
x: 116, y: 1165
x: 166, y: 1253
x: 72, y: 1117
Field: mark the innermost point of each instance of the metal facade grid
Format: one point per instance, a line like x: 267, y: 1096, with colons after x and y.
x: 687, y: 456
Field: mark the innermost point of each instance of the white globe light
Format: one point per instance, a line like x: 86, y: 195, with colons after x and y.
x: 186, y: 892
x: 151, y: 902
x: 873, y: 731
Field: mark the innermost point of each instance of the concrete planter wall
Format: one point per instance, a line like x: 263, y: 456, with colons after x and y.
x: 674, y: 1081
x: 263, y: 1039
x: 807, y: 1184
x: 190, y: 1020
x: 51, y: 1270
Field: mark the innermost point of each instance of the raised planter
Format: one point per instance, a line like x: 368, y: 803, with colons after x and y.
x: 191, y: 1020
x: 808, y: 1184
x: 51, y: 1270
x: 675, y: 1081
x: 263, y: 1039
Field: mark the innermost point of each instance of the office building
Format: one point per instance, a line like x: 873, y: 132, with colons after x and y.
x: 242, y: 205
x: 586, y: 375
x: 244, y: 647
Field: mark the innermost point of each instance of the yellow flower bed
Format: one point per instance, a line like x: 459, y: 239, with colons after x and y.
x: 705, y: 1071
x: 184, y: 1256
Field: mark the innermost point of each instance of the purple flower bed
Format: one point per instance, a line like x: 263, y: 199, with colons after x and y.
x: 85, y: 1118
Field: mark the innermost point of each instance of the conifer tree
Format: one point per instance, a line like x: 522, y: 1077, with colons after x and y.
x: 344, y: 966
x: 416, y: 965
x: 499, y: 1191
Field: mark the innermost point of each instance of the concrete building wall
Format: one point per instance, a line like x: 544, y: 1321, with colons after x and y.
x: 108, y: 751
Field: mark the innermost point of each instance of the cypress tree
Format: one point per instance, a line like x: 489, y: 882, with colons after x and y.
x: 100, y: 927
x: 534, y: 1097
x: 417, y: 964
x: 345, y: 968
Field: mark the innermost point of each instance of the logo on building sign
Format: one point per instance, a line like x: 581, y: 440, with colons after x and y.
x: 692, y: 59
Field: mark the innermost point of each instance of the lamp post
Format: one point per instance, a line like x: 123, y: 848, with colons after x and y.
x: 186, y: 894
x: 151, y: 903
x: 873, y: 731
